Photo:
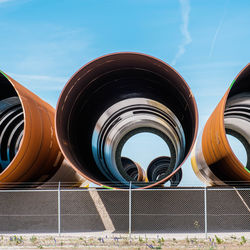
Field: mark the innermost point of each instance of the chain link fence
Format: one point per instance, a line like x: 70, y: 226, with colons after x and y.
x: 172, y: 210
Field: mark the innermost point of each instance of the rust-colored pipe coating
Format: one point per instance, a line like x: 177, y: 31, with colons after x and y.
x: 213, y: 160
x: 115, y: 97
x: 29, y: 149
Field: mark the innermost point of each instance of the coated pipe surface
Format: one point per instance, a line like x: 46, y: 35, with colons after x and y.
x: 33, y: 152
x: 213, y: 159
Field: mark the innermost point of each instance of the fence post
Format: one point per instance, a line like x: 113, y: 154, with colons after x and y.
x: 130, y: 211
x: 205, y: 210
x: 59, y: 208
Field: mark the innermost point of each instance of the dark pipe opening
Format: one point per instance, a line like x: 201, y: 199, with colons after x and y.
x: 11, y: 122
x: 108, y: 80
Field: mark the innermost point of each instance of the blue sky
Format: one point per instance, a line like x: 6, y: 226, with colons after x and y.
x: 43, y: 42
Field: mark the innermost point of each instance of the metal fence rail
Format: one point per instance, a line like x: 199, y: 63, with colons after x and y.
x: 172, y: 210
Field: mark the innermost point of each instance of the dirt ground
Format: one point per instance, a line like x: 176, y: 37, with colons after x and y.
x: 121, y: 242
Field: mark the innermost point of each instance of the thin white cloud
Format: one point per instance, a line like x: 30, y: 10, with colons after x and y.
x: 40, y: 82
x: 211, y: 65
x: 218, y: 29
x: 185, y: 10
x: 40, y: 77
x: 215, y: 37
x: 4, y: 1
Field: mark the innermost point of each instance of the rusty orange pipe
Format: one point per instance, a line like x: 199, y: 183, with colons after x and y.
x: 38, y: 156
x: 141, y: 173
x: 213, y: 160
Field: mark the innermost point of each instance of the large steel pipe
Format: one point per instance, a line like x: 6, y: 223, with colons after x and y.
x: 29, y: 150
x: 213, y: 159
x: 115, y: 97
x: 133, y: 169
x: 159, y: 167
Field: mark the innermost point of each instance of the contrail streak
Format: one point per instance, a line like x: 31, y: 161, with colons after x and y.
x: 185, y: 10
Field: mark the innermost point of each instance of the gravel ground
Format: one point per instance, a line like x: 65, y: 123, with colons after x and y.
x: 115, y: 241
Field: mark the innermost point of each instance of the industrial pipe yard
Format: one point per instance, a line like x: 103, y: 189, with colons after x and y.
x: 124, y: 124
x: 103, y: 105
x: 50, y: 155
